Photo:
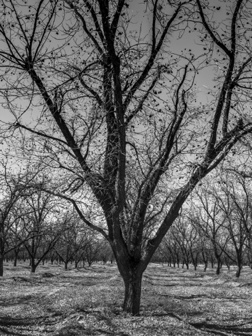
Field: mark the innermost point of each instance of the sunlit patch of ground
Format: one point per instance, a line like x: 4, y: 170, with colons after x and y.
x: 87, y: 302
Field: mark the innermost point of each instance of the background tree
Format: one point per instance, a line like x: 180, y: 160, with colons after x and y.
x: 92, y: 249
x: 13, y: 189
x: 15, y: 236
x: 235, y: 202
x: 171, y: 250
x: 183, y: 234
x: 74, y: 240
x: 211, y: 221
x: 105, y: 252
x: 114, y: 109
x: 40, y: 223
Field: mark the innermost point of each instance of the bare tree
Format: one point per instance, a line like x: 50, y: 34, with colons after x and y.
x: 184, y: 235
x: 118, y: 111
x: 13, y: 189
x: 170, y: 250
x: 73, y: 241
x: 236, y: 204
x: 41, y: 224
x: 105, y: 251
x: 193, y: 243
x: 210, y: 219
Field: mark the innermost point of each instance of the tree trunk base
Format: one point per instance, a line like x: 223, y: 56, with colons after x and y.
x: 132, y: 294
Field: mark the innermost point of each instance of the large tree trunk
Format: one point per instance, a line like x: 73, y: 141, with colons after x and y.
x: 132, y: 294
x: 131, y: 270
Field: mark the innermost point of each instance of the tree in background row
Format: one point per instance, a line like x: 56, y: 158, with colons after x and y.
x: 13, y: 190
x: 216, y: 223
x: 41, y: 224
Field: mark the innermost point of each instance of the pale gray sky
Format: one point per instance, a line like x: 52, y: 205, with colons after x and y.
x: 189, y: 41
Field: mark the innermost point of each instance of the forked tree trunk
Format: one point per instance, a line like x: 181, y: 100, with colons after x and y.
x: 132, y: 293
x: 131, y: 271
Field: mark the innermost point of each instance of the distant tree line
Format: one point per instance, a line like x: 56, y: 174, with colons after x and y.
x: 40, y: 227
x: 215, y: 228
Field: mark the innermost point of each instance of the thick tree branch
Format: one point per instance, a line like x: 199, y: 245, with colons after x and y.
x: 44, y: 135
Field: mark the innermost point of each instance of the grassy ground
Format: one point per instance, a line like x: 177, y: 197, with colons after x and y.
x: 87, y: 302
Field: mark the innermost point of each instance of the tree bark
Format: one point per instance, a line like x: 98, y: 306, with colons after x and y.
x: 1, y: 266
x: 33, y: 265
x: 205, y: 260
x: 132, y: 294
x: 218, y: 267
x: 239, y: 266
x: 238, y: 272
x: 16, y: 254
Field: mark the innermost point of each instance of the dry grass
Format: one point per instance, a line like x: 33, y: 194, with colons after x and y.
x: 87, y: 302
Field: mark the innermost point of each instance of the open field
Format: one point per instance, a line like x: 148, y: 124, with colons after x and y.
x: 87, y: 302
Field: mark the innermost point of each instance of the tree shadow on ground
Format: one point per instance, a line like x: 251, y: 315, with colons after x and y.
x: 15, y: 321
x: 8, y: 302
x: 7, y: 323
x: 218, y: 329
